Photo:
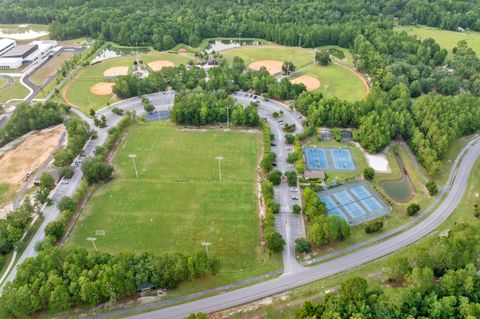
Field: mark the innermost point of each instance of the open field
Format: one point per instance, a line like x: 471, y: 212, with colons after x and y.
x: 446, y: 39
x: 50, y: 68
x: 78, y: 91
x: 178, y: 202
x: 337, y: 81
x: 27, y: 156
x: 3, y: 82
x: 249, y: 54
x: 15, y: 91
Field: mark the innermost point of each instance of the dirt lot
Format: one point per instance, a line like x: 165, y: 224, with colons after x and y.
x: 116, y: 71
x: 310, y: 82
x: 159, y: 64
x: 102, y: 88
x: 273, y: 67
x: 28, y: 156
x: 50, y: 68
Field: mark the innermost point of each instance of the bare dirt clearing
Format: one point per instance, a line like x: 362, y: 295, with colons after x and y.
x: 116, y: 71
x: 28, y: 156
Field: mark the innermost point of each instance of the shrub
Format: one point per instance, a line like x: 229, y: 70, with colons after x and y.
x: 302, y: 245
x: 275, y: 242
x: 275, y: 177
x: 432, y: 188
x: 374, y: 226
x: 369, y: 173
x: 289, y: 138
x: 296, y: 209
x: 413, y: 209
x: 291, y: 178
x: 66, y: 203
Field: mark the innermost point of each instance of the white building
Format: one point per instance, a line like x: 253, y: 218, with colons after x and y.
x: 6, y: 45
x: 24, y: 54
x: 10, y: 63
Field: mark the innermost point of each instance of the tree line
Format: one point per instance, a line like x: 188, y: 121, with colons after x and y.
x: 59, y: 278
x: 162, y: 24
x: 431, y: 283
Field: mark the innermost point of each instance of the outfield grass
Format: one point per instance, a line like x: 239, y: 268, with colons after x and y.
x: 4, y: 189
x: 15, y: 91
x: 178, y: 202
x: 249, y: 54
x: 446, y: 39
x: 337, y: 81
x: 77, y: 91
x: 348, y: 60
x: 3, y: 81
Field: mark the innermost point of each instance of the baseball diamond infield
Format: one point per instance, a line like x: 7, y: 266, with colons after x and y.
x: 159, y: 64
x: 102, y: 88
x: 272, y: 66
x: 116, y: 71
x: 310, y: 82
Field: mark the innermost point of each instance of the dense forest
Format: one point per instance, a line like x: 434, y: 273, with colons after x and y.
x: 431, y: 283
x: 164, y: 23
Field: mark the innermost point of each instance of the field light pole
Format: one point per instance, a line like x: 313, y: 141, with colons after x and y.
x: 92, y: 239
x: 219, y: 159
x: 206, y: 244
x: 228, y: 116
x: 132, y: 156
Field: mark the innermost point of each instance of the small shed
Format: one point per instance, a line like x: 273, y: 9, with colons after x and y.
x: 314, y: 174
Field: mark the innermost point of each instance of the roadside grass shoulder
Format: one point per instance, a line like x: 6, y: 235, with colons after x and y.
x: 15, y: 91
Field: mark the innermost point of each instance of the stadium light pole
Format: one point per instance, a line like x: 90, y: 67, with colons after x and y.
x: 219, y: 159
x: 132, y: 156
x: 299, y: 39
x: 206, y: 244
x: 228, y: 116
x: 92, y: 239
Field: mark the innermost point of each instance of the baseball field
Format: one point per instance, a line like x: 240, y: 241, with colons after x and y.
x: 91, y: 88
x: 178, y: 202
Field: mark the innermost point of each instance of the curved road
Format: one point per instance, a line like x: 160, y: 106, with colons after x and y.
x: 295, y: 275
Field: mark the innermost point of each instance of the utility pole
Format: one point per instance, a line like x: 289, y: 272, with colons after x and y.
x: 206, y: 244
x: 219, y: 159
x: 92, y: 239
x: 132, y: 156
x: 299, y: 39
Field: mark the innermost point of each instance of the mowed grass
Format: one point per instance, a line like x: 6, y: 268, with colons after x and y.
x: 3, y: 82
x: 337, y: 81
x: 249, y: 54
x: 446, y: 39
x: 50, y: 68
x: 4, y: 189
x: 77, y: 91
x: 15, y: 91
x: 178, y: 201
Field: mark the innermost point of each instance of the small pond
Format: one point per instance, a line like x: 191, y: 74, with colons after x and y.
x: 400, y: 190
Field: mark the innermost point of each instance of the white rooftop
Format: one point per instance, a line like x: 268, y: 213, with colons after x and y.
x: 6, y: 42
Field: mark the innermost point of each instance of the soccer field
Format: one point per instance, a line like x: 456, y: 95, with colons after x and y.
x: 178, y: 201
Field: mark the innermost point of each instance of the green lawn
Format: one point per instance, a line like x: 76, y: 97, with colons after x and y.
x: 249, y: 54
x: 15, y: 91
x: 178, y: 201
x: 337, y: 81
x: 446, y: 39
x: 4, y: 189
x: 3, y: 81
x: 77, y: 91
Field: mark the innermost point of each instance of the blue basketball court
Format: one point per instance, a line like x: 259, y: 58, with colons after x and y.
x: 339, y: 159
x: 356, y: 202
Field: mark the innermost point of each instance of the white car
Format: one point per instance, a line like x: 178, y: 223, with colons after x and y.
x: 64, y: 182
x: 293, y: 189
x: 294, y: 197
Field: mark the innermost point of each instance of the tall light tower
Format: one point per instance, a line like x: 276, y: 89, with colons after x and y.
x: 219, y: 159
x: 228, y: 116
x: 133, y: 156
x: 206, y: 244
x: 92, y: 239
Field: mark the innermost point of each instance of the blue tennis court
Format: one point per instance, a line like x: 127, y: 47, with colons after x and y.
x: 360, y: 192
x: 356, y: 202
x: 328, y: 201
x: 157, y: 116
x: 316, y: 158
x: 354, y: 209
x: 342, y: 159
x: 343, y: 197
x: 371, y: 204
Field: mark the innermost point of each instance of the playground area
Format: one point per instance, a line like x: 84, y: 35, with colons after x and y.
x: 355, y: 202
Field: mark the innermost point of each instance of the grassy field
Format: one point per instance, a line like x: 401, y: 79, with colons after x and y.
x: 178, y: 202
x: 249, y: 54
x: 3, y: 82
x: 15, y: 91
x: 50, y: 68
x: 77, y: 91
x: 446, y: 39
x: 337, y: 81
x: 4, y: 189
